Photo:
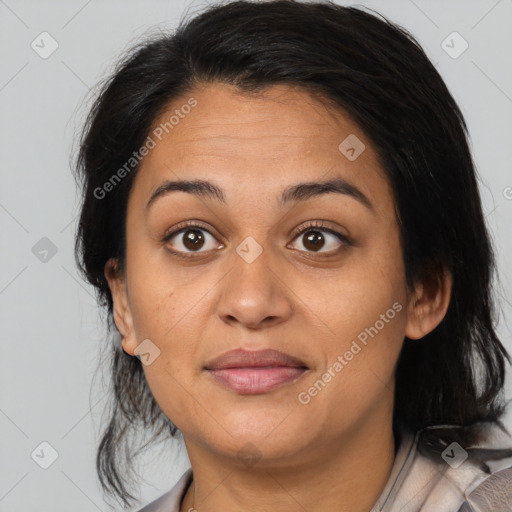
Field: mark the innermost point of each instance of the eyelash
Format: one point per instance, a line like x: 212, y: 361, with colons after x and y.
x: 312, y: 226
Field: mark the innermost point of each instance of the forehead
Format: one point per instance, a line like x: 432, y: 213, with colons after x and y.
x: 255, y: 142
x: 279, y: 116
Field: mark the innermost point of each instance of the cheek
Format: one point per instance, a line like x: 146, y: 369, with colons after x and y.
x: 168, y: 315
x: 175, y: 395
x: 171, y: 308
x: 369, y: 339
x: 361, y: 298
x: 160, y: 295
x: 364, y: 315
x: 358, y: 375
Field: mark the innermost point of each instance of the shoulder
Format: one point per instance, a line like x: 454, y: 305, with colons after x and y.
x: 449, y: 476
x: 171, y: 500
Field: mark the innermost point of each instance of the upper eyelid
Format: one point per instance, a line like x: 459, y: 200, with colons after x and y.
x: 295, y: 232
x: 317, y: 225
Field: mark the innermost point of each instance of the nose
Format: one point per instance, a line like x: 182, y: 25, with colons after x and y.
x: 254, y: 293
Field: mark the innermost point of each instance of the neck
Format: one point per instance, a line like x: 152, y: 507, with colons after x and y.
x: 346, y: 474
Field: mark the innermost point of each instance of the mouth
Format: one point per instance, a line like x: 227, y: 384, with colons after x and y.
x: 255, y: 372
x: 254, y: 381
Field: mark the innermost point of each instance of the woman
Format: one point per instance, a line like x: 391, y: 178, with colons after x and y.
x: 281, y: 216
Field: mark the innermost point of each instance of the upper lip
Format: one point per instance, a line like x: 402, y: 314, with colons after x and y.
x: 240, y: 358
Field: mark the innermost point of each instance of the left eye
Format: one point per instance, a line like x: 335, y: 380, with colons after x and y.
x: 315, y: 239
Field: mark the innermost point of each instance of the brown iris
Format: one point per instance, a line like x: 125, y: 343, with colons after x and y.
x: 193, y: 239
x: 315, y: 239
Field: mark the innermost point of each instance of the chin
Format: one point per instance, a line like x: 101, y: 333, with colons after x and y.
x: 265, y: 435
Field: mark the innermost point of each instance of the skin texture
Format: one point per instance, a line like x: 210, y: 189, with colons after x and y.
x: 335, y: 452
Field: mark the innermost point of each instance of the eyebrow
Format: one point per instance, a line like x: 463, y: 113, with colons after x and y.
x: 292, y: 193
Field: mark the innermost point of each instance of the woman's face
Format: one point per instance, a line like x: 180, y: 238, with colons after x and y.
x: 263, y: 268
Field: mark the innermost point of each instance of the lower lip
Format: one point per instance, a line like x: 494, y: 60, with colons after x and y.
x: 251, y: 381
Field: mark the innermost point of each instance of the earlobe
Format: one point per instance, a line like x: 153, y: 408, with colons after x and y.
x: 121, y: 307
x: 428, y: 304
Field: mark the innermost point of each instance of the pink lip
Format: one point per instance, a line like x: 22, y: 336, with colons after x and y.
x: 251, y: 381
x: 253, y: 372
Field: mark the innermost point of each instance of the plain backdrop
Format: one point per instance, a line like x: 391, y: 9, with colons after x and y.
x: 51, y: 328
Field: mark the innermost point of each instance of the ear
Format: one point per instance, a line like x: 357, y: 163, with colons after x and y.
x: 122, y: 313
x: 428, y: 303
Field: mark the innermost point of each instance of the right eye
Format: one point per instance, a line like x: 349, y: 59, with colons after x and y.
x: 189, y: 240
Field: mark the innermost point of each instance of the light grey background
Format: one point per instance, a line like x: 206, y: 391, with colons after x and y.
x: 51, y: 329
